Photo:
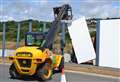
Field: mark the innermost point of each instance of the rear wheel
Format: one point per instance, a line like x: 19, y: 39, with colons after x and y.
x: 61, y: 66
x: 45, y: 72
x: 13, y: 72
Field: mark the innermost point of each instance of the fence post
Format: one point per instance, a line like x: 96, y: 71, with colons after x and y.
x: 3, y: 40
x: 44, y: 27
x: 18, y: 35
x: 30, y: 25
x: 97, y: 41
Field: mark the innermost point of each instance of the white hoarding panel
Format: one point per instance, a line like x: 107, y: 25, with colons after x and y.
x: 109, y: 48
x: 81, y: 40
x: 7, y: 52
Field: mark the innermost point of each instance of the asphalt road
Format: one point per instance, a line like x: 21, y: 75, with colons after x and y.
x: 70, y: 77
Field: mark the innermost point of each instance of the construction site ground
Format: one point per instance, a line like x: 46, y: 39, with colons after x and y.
x: 107, y: 71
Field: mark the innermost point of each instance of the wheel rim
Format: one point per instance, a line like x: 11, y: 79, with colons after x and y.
x: 47, y: 72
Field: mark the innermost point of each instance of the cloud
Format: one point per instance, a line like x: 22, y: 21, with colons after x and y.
x: 43, y: 2
x: 42, y: 9
x: 99, y: 9
x: 6, y: 18
x: 66, y: 1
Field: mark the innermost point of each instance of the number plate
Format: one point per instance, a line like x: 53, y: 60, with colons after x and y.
x: 24, y: 55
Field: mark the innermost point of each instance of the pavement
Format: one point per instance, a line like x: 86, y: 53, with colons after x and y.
x: 71, y: 76
x: 115, y: 72
x: 107, y: 71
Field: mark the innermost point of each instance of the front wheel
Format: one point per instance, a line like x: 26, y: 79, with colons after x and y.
x: 13, y: 72
x: 45, y: 72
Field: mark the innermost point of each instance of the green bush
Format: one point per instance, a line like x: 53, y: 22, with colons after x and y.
x: 11, y: 28
x: 93, y: 34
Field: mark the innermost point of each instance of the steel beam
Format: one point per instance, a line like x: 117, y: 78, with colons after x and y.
x: 3, y: 40
x: 18, y: 35
x: 30, y: 25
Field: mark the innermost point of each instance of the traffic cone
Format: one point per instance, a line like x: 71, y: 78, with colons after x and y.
x: 63, y: 78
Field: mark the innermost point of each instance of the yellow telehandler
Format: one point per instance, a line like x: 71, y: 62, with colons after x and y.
x: 36, y: 57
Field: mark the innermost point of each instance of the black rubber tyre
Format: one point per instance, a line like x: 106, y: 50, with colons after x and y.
x: 13, y: 72
x: 61, y: 66
x: 45, y: 72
